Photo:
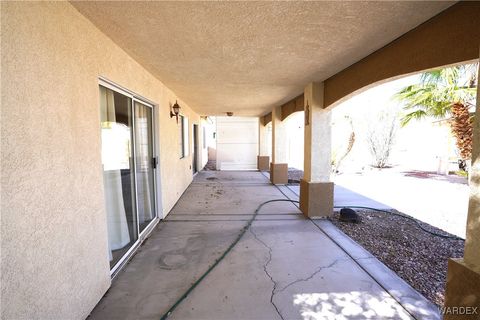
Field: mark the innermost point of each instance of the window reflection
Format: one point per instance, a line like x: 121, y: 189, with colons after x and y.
x: 118, y: 175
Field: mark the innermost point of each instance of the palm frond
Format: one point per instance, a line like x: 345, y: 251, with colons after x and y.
x: 437, y: 91
x: 417, y: 115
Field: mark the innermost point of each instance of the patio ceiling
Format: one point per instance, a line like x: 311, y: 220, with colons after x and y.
x: 247, y: 57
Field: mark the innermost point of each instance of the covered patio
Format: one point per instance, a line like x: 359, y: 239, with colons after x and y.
x: 285, y: 266
x: 104, y: 125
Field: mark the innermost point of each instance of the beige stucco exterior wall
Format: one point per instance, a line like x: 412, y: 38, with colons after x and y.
x: 318, y: 135
x: 54, y: 262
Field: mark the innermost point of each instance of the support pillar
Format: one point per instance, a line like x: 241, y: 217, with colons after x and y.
x: 263, y: 159
x: 463, y: 277
x: 316, y: 188
x: 279, y: 165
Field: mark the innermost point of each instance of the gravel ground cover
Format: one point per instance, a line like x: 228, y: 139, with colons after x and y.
x: 211, y: 165
x: 416, y: 256
x: 294, y: 175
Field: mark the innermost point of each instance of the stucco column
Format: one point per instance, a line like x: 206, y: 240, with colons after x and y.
x: 263, y: 159
x: 463, y: 277
x: 316, y: 189
x: 279, y: 165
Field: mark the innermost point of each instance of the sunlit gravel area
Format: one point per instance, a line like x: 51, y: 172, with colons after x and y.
x: 415, y: 255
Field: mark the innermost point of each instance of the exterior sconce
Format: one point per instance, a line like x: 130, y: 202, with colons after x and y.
x: 176, y: 111
x: 229, y: 114
x: 307, y: 114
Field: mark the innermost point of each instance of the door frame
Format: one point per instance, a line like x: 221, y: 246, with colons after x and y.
x: 155, y: 147
x: 195, y: 165
x: 154, y: 153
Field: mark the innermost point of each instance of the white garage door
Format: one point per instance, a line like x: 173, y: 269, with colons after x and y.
x: 237, y: 143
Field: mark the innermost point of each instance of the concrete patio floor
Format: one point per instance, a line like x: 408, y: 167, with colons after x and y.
x: 284, y: 267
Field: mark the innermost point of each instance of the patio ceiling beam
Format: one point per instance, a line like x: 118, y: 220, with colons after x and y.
x: 266, y: 119
x: 294, y: 105
x: 451, y: 37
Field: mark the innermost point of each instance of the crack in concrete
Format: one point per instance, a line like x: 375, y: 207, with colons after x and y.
x: 272, y: 295
x: 318, y: 270
x: 275, y: 283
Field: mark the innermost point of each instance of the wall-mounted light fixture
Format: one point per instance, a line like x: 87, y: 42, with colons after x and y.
x: 307, y: 114
x: 176, y: 110
x: 229, y: 114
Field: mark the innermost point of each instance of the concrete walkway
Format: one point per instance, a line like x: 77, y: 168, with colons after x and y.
x: 284, y: 267
x: 441, y: 203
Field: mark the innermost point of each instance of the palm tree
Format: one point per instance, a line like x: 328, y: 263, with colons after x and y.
x: 443, y: 93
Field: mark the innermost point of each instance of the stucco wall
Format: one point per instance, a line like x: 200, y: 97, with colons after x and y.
x: 53, y: 227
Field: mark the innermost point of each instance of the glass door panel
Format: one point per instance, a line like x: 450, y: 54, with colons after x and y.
x: 118, y: 173
x: 144, y: 164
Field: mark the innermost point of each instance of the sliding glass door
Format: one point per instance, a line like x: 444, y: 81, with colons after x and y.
x: 128, y: 170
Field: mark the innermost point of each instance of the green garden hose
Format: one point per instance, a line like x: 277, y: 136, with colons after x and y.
x: 234, y: 243
x: 403, y: 216
x: 249, y: 223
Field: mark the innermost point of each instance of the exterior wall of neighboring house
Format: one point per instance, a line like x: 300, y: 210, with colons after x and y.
x: 212, y: 153
x: 237, y: 143
x: 426, y: 145
x: 54, y: 233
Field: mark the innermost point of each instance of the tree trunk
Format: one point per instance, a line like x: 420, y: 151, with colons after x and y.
x: 462, y: 130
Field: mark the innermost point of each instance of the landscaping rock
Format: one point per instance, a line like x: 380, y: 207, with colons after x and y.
x: 349, y: 215
x: 415, y: 255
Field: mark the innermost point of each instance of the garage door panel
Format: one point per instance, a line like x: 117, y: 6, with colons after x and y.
x: 237, y: 143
